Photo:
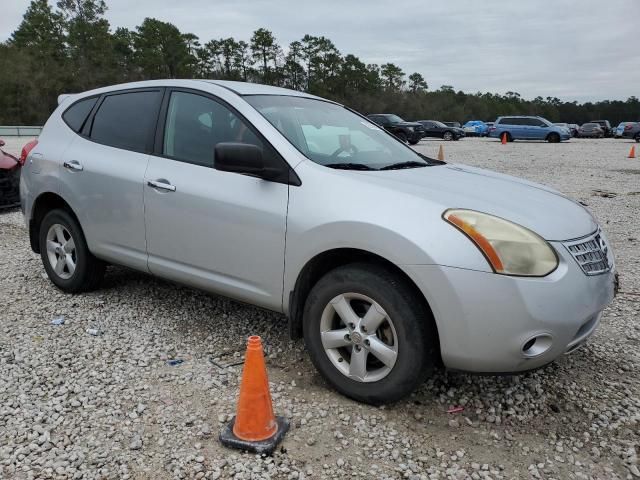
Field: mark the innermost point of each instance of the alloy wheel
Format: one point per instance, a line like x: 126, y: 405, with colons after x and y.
x: 359, y: 337
x: 61, y: 251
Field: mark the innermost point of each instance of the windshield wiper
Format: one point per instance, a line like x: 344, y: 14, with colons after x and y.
x: 350, y: 166
x: 410, y: 164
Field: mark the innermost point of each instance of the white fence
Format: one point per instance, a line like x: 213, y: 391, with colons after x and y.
x: 19, y: 131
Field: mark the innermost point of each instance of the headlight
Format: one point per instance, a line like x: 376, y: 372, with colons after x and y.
x: 509, y: 248
x: 410, y: 129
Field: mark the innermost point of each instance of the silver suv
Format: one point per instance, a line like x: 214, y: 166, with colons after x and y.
x: 386, y: 261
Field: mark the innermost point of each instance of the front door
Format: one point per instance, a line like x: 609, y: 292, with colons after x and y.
x: 219, y: 231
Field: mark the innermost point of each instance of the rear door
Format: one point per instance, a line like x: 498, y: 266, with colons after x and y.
x: 219, y: 231
x: 104, y: 171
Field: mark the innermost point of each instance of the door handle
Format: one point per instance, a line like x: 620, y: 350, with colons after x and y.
x: 161, y: 185
x: 73, y: 165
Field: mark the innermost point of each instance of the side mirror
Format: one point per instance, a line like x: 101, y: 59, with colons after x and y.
x: 239, y: 158
x: 2, y: 144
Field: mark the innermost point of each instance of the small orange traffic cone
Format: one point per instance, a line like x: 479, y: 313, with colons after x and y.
x: 504, y: 139
x: 441, y: 154
x: 632, y: 152
x: 255, y: 428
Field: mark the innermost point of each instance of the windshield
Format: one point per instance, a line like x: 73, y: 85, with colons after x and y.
x: 394, y: 119
x: 331, y: 135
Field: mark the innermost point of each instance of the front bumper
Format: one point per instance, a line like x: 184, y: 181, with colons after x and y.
x: 485, y: 320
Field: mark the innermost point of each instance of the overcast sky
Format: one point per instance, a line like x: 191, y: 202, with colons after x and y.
x: 573, y: 49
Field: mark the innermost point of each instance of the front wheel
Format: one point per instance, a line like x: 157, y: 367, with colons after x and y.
x: 638, y: 138
x: 448, y: 136
x: 65, y: 256
x: 368, y: 333
x: 553, y: 138
x: 402, y: 137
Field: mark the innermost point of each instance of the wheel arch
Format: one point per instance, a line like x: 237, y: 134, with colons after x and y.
x: 328, y: 260
x: 553, y: 134
x: 507, y: 133
x: 45, y: 202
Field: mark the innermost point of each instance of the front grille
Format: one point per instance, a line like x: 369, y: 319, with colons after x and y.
x: 590, y: 253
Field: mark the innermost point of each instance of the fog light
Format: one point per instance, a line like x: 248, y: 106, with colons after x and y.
x: 536, y: 345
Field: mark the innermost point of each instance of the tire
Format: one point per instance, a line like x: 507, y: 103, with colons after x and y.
x: 402, y: 137
x: 413, y: 141
x: 638, y: 137
x: 59, y: 227
x: 553, y: 138
x: 448, y: 136
x: 509, y: 137
x: 407, y: 327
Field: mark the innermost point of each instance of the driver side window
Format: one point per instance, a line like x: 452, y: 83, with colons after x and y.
x: 196, y: 124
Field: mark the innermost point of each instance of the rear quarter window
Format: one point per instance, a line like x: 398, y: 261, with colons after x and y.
x: 76, y: 114
x: 127, y: 120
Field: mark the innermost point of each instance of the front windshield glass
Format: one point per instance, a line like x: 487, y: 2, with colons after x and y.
x: 395, y: 119
x: 333, y: 136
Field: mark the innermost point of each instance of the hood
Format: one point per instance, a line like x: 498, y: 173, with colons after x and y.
x: 541, y: 209
x: 408, y: 124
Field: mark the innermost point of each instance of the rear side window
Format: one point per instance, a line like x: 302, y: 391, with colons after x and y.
x: 77, y: 113
x: 126, y: 120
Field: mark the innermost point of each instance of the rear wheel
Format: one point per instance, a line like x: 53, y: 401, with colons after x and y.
x: 448, y: 136
x: 553, y: 138
x: 638, y: 137
x: 368, y: 334
x: 65, y: 256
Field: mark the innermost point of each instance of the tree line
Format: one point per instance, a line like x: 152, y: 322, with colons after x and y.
x: 71, y: 47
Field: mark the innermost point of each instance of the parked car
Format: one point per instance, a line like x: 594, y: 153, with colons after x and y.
x: 9, y: 179
x: 528, y: 128
x: 606, y: 127
x: 632, y: 131
x: 410, y: 132
x: 394, y: 262
x: 591, y: 130
x: 621, y: 127
x: 453, y: 124
x: 435, y: 129
x: 475, y: 128
x: 574, y: 127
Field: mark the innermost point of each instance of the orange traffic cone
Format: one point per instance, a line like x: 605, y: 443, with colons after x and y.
x: 441, y: 154
x: 632, y: 152
x: 254, y: 428
x: 504, y: 139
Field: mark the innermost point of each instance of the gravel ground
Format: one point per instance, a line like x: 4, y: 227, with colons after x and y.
x: 73, y: 405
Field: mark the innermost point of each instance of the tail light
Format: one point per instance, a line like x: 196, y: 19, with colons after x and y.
x: 492, y: 129
x: 26, y: 150
x: 628, y: 127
